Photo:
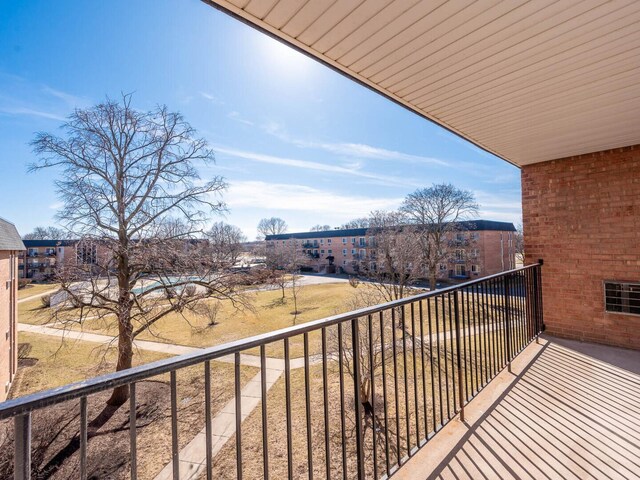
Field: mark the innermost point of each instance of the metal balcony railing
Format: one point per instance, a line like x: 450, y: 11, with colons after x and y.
x: 373, y: 385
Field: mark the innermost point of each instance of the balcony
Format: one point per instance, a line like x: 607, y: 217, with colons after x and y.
x: 451, y: 382
x: 562, y: 412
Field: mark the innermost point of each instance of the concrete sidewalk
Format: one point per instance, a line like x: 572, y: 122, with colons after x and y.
x: 37, y: 295
x: 194, y: 455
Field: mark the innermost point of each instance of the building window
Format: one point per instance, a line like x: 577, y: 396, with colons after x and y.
x: 475, y: 236
x: 344, y: 240
x: 87, y: 253
x: 322, y: 241
x: 329, y: 251
x: 353, y: 251
x: 362, y: 252
x: 460, y: 271
x: 33, y: 252
x: 442, y: 267
x: 460, y: 237
x: 329, y: 241
x: 344, y: 251
x: 344, y: 262
x: 353, y: 240
x: 363, y: 242
x: 474, y: 253
x: 321, y: 251
x: 475, y: 268
x: 459, y: 255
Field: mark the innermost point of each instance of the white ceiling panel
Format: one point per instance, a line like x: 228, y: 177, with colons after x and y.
x: 529, y: 81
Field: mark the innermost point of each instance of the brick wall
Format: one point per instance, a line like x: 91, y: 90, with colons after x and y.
x: 8, y: 312
x: 581, y: 215
x: 491, y: 246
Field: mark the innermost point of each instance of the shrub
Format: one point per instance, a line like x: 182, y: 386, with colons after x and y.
x: 46, y: 301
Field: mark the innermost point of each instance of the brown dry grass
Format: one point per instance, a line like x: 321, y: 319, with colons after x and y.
x: 108, y: 453
x: 35, y: 289
x: 410, y: 417
x: 269, y: 313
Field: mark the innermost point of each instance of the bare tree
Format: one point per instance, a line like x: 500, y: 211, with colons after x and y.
x: 438, y: 211
x: 284, y: 262
x: 362, y: 222
x: 320, y: 228
x: 296, y: 287
x: 226, y: 243
x: 519, y: 243
x: 271, y: 226
x: 370, y: 360
x: 394, y: 248
x: 131, y: 191
x: 45, y: 233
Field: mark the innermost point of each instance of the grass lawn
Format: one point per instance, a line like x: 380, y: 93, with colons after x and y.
x: 267, y: 313
x: 45, y: 364
x: 35, y: 289
x: 418, y: 409
x: 33, y: 312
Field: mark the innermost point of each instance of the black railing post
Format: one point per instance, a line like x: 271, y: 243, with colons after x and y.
x: 540, y: 302
x: 22, y: 433
x: 536, y: 306
x: 459, y: 355
x: 507, y: 319
x: 355, y: 349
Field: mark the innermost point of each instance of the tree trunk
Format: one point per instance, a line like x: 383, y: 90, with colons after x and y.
x: 125, y: 328
x: 432, y: 281
x: 125, y: 357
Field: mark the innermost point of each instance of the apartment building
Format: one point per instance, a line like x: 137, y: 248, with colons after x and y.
x: 10, y: 247
x: 39, y: 259
x: 480, y: 248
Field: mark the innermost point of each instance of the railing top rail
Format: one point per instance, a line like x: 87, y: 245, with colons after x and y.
x: 108, y: 381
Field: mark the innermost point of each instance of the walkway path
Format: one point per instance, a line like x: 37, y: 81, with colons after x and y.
x: 193, y: 456
x: 37, y: 295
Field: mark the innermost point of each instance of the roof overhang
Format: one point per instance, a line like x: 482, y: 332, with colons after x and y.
x: 528, y: 81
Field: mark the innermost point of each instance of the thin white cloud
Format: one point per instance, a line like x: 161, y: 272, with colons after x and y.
x: 358, y: 150
x: 503, y: 206
x: 24, y: 98
x: 212, y: 98
x: 30, y: 112
x: 69, y: 99
x: 308, y: 165
x: 279, y: 196
x: 238, y: 118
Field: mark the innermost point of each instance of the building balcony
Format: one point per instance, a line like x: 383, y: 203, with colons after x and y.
x: 450, y: 383
x: 562, y: 411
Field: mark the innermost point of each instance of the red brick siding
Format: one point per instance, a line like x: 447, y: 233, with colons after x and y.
x: 581, y: 215
x: 8, y: 315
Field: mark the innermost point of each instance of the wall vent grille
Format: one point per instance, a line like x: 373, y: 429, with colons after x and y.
x: 622, y: 297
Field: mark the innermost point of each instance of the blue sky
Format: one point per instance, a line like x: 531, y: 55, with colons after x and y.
x: 293, y: 138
